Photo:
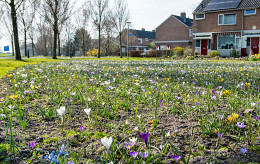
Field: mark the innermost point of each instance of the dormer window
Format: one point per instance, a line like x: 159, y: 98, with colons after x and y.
x: 140, y: 40
x: 199, y: 16
x: 250, y: 12
x: 146, y: 39
x: 227, y: 19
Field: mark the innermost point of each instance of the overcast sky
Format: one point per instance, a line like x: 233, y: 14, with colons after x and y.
x: 149, y: 14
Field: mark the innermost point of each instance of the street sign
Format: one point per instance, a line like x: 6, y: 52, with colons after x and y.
x: 157, y: 48
x: 168, y: 47
x: 6, y: 48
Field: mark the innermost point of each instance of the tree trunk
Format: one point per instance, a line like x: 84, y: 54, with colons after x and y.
x: 55, y: 30
x: 83, y: 44
x: 12, y: 42
x: 59, y: 44
x: 120, y: 39
x: 25, y: 44
x: 99, y: 39
x: 32, y: 47
x: 15, y: 31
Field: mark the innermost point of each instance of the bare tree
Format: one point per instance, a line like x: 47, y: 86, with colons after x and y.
x: 98, y: 10
x: 26, y: 15
x: 82, y: 18
x: 14, y: 5
x: 109, y: 27
x: 121, y: 16
x: 7, y: 25
x: 56, y: 13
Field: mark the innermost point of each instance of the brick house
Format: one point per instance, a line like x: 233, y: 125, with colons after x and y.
x: 174, y: 31
x: 227, y: 26
x: 138, y: 39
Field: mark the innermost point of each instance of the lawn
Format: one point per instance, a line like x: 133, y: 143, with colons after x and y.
x: 118, y: 111
x: 7, y: 65
x: 5, y: 55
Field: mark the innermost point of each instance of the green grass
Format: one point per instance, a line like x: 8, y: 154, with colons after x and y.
x: 4, y: 55
x: 7, y: 65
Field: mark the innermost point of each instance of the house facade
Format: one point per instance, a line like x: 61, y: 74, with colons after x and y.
x: 138, y: 39
x: 174, y: 31
x: 227, y: 26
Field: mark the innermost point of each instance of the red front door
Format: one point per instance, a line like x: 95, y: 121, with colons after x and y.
x: 255, y: 45
x: 204, y: 47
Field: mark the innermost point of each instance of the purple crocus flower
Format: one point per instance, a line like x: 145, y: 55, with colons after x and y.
x: 81, y: 128
x: 220, y: 117
x: 213, y: 91
x: 145, y: 137
x: 213, y: 97
x: 240, y: 125
x: 176, y: 158
x: 197, y: 104
x: 26, y: 92
x: 220, y: 135
x: 243, y: 150
x: 32, y: 144
x: 134, y: 154
x: 256, y: 117
x: 70, y: 163
x: 161, y: 101
x: 70, y: 100
x: 144, y: 155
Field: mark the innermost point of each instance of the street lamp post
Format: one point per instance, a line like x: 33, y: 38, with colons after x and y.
x: 128, y: 24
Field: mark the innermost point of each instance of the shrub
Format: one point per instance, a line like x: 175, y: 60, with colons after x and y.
x: 178, y: 51
x: 188, y: 51
x: 213, y: 54
x: 136, y: 53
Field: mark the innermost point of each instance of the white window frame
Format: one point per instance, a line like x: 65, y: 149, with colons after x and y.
x: 141, y: 40
x: 250, y: 14
x: 199, y: 18
x: 224, y: 19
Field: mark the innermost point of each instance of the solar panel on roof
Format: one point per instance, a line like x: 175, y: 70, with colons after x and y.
x: 222, y: 4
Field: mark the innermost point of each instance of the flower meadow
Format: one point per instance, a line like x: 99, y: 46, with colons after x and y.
x: 131, y: 112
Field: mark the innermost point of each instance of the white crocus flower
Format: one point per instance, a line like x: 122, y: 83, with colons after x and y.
x: 136, y: 128
x: 111, y: 162
x: 253, y: 104
x: 87, y: 111
x: 168, y: 133
x: 133, y: 140
x: 3, y: 115
x: 61, y: 111
x: 107, y: 142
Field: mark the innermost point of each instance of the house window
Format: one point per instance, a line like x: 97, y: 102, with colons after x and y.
x: 209, y: 44
x: 248, y: 42
x: 226, y: 42
x: 199, y: 16
x: 163, y: 47
x: 197, y: 43
x: 190, y: 32
x: 250, y: 12
x: 238, y: 43
x: 227, y: 19
x: 146, y: 39
x: 140, y: 40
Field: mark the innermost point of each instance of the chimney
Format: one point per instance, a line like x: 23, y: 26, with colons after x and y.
x: 153, y: 31
x: 143, y: 29
x: 183, y: 15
